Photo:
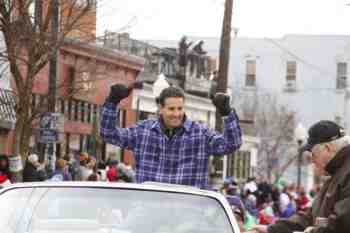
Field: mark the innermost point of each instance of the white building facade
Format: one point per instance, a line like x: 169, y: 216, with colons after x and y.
x: 308, y: 74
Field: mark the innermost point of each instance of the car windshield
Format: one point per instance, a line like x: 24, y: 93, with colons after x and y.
x: 85, y: 210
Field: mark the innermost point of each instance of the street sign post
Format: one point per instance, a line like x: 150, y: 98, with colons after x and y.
x: 49, y: 127
x: 48, y: 136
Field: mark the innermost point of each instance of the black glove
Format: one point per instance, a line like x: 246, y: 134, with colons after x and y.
x: 222, y: 103
x: 118, y: 92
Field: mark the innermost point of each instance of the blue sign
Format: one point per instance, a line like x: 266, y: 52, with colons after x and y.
x: 48, y: 136
x: 52, y: 121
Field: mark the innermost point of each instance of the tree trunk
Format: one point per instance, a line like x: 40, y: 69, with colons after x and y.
x: 17, y: 176
x: 23, y: 131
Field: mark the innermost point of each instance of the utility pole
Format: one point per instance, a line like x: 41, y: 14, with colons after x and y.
x: 53, y: 60
x: 225, y: 43
x: 53, y: 68
x: 224, y: 58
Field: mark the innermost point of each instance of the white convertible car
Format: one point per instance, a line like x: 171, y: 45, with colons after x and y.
x: 96, y: 207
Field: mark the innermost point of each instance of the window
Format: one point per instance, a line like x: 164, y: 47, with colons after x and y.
x: 239, y: 165
x: 62, y: 104
x: 291, y: 70
x: 70, y: 109
x: 291, y: 75
x: 250, y: 80
x: 82, y: 111
x: 64, y: 210
x: 89, y: 113
x: 76, y: 110
x: 86, y: 81
x: 71, y: 78
x: 341, y: 75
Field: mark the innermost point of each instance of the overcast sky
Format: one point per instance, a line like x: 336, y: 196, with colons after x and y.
x: 170, y: 19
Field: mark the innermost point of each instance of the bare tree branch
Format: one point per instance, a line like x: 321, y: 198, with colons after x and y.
x: 25, y: 26
x: 273, y: 124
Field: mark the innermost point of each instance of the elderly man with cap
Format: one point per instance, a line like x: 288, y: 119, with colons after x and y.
x: 329, y: 149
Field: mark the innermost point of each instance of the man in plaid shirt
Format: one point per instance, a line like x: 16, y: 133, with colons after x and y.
x: 172, y: 149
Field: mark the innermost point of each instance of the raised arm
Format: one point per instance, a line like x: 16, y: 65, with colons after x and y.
x: 109, y: 129
x: 231, y: 139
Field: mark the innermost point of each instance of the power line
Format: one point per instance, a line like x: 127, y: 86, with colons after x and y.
x: 274, y: 42
x: 326, y: 74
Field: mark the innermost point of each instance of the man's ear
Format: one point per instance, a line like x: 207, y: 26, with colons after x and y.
x: 330, y: 147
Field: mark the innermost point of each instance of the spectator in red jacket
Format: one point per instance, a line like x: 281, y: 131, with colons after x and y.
x: 112, y: 173
x: 4, y: 170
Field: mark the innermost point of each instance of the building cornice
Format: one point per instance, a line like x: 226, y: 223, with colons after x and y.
x: 103, y: 54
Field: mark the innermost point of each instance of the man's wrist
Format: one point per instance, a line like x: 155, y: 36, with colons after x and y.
x: 113, y: 99
x: 110, y: 104
x: 225, y: 112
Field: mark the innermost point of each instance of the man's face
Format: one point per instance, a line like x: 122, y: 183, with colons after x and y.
x: 173, y: 112
x: 321, y: 155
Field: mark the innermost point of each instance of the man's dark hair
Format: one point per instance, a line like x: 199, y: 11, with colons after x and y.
x: 170, y: 92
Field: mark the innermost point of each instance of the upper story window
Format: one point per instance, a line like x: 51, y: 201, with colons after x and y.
x: 71, y: 81
x: 291, y: 70
x: 291, y: 75
x: 86, y: 81
x: 250, y: 79
x: 341, y: 75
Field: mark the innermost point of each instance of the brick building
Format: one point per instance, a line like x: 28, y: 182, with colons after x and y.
x: 85, y: 73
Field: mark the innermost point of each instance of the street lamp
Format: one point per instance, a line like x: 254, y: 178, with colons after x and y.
x: 300, y: 135
x: 159, y: 85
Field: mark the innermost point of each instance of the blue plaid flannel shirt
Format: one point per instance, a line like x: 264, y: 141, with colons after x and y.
x: 181, y: 160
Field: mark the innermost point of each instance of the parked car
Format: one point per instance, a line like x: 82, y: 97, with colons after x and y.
x: 97, y: 207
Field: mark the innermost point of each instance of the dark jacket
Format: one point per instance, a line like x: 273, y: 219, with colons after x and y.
x: 31, y: 174
x: 5, y: 171
x: 333, y: 201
